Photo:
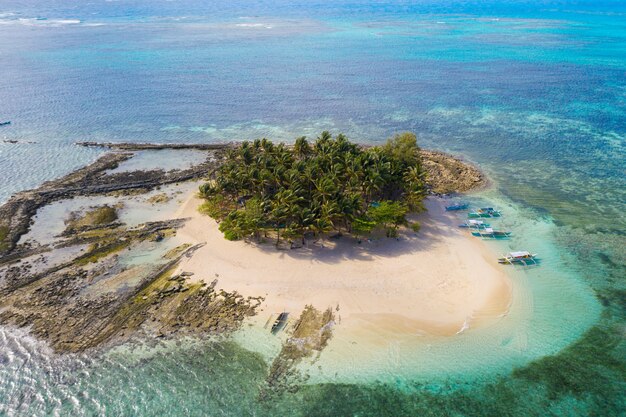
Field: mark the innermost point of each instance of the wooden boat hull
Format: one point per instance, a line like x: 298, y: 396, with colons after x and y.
x: 486, y: 215
x: 525, y: 261
x: 280, y: 322
x: 494, y: 235
x: 457, y: 207
x: 475, y: 224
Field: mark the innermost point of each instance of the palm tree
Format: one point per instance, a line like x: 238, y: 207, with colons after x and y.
x: 325, y: 187
x: 301, y: 148
x: 312, y: 188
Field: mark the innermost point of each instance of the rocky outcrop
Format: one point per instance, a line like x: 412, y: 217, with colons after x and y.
x: 126, y: 146
x: 447, y: 174
x: 95, y: 298
x: 309, y: 335
x: 76, y: 307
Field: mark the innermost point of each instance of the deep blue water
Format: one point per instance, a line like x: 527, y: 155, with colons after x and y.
x: 533, y: 91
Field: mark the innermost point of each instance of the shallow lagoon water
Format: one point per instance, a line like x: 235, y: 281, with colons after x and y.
x: 50, y: 221
x: 165, y: 159
x: 551, y: 307
x: 533, y: 93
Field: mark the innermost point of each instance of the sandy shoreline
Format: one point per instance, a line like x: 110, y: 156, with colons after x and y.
x: 438, y: 282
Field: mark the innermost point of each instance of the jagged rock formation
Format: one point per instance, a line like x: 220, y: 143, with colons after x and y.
x: 447, y: 174
x: 309, y: 335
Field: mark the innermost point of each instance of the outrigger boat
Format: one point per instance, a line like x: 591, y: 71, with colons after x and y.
x: 280, y: 322
x: 457, y: 207
x: 520, y: 257
x: 488, y: 232
x: 475, y: 224
x: 484, y: 212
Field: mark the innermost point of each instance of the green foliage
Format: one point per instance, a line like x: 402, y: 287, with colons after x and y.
x: 216, y: 206
x: 388, y: 213
x: 403, y: 148
x: 362, y: 226
x: 253, y: 215
x: 230, y: 234
x: 233, y: 226
x: 319, y: 187
x: 416, y: 226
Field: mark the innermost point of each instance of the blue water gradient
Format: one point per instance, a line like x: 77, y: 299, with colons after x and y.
x: 533, y: 91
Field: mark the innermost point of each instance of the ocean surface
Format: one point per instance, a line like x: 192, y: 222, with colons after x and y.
x: 532, y: 91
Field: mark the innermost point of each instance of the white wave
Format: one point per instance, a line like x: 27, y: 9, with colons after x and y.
x: 39, y: 21
x: 254, y: 25
x: 465, y: 326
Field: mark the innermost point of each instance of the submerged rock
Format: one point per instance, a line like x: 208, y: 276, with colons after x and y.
x: 308, y: 335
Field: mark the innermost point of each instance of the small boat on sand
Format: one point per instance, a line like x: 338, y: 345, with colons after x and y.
x: 489, y: 233
x: 475, y: 224
x: 280, y: 322
x: 457, y: 207
x: 519, y: 258
x: 484, y: 212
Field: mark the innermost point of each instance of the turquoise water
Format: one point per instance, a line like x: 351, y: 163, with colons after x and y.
x: 533, y: 91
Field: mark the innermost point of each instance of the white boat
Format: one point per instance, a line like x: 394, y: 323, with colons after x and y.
x: 475, y: 224
x: 489, y: 233
x: 519, y: 257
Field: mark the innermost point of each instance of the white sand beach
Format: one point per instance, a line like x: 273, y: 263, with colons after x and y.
x: 437, y: 282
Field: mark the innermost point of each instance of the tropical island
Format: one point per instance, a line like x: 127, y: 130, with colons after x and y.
x: 312, y: 189
x: 137, y: 247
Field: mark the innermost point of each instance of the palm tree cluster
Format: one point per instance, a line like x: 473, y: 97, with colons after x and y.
x: 332, y: 184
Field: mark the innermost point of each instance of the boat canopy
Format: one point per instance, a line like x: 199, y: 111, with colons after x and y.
x: 475, y: 222
x: 520, y: 254
x: 488, y: 230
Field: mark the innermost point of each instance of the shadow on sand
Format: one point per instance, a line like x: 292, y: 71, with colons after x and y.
x: 329, y: 250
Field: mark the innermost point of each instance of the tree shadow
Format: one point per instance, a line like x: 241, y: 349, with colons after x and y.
x: 435, y: 225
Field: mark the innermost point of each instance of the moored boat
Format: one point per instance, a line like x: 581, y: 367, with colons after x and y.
x: 519, y: 257
x: 489, y: 233
x: 484, y: 212
x: 458, y: 207
x: 475, y: 224
x: 280, y: 322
